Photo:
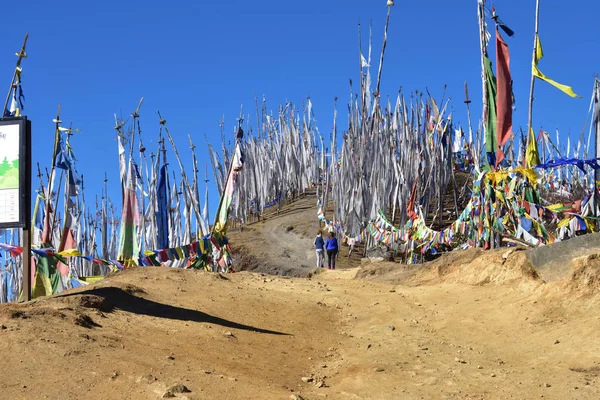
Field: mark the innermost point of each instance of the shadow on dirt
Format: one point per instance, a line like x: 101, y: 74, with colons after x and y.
x: 108, y: 299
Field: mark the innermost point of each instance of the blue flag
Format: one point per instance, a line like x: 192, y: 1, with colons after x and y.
x: 162, y: 215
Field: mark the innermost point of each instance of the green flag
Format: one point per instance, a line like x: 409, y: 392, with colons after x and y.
x: 491, y: 141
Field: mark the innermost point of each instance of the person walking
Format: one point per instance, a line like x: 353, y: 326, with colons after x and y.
x: 320, y: 249
x: 331, y: 245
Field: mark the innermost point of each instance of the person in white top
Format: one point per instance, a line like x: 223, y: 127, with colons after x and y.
x: 319, y: 244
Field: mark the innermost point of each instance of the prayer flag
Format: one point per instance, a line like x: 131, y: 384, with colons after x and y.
x: 130, y: 220
x: 70, y: 253
x: 503, y: 95
x: 532, y: 155
x: 162, y: 215
x: 539, y: 54
x: 230, y: 187
x: 491, y: 141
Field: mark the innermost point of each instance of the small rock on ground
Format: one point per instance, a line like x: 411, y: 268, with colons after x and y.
x: 177, y: 388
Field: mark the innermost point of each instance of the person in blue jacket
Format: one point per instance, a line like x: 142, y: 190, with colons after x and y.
x: 320, y: 248
x: 331, y: 245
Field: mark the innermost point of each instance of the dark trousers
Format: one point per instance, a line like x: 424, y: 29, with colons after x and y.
x: 331, y: 258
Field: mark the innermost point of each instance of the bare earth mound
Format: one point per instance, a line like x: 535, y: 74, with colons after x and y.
x: 584, y: 279
x: 472, y: 267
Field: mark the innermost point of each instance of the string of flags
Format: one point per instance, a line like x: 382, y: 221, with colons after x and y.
x: 202, y: 249
x: 503, y: 202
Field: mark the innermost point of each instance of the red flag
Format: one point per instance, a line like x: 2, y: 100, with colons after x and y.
x: 410, y: 207
x: 67, y: 242
x: 503, y: 95
x: 164, y: 257
x: 47, y: 232
x: 33, y: 270
x: 540, y: 135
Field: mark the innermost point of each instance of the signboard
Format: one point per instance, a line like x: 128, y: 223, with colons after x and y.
x: 15, y: 164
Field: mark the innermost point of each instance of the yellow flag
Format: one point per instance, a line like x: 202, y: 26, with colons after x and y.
x: 497, y: 177
x: 532, y: 156
x: 555, y: 207
x: 564, y: 222
x: 42, y: 286
x: 70, y: 253
x: 528, y: 173
x: 539, y: 54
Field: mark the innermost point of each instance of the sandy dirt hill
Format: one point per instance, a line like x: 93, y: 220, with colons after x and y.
x: 470, y: 325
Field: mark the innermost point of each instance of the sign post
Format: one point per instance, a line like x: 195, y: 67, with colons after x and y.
x: 15, y: 186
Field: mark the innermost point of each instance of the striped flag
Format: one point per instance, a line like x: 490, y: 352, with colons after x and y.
x: 128, y: 244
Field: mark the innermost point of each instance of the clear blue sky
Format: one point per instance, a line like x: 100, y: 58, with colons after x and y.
x: 199, y: 60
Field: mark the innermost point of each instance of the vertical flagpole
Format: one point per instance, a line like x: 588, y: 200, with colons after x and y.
x: 596, y: 121
x: 472, y: 144
x: 238, y: 142
x: 482, y: 45
x: 22, y: 54
x: 387, y: 23
x: 258, y: 121
x: 484, y: 89
x: 360, y: 75
x: 205, y: 214
x: 537, y: 21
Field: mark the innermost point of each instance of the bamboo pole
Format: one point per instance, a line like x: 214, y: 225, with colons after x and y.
x: 258, y: 122
x: 135, y: 116
x: 184, y: 178
x: 483, y: 51
x: 596, y: 122
x: 362, y: 81
x: 533, y: 57
x: 21, y: 55
x: 104, y: 233
x: 238, y: 143
x: 387, y: 23
x: 49, y: 226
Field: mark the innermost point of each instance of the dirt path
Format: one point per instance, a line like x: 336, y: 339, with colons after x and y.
x: 287, y: 244
x: 452, y: 341
x: 282, y: 243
